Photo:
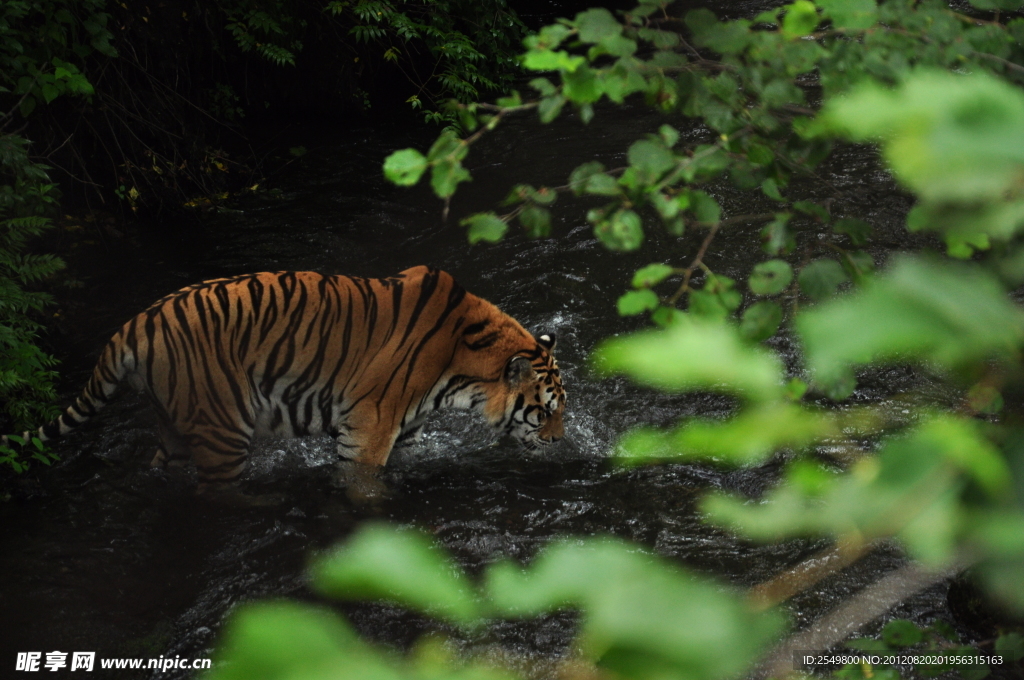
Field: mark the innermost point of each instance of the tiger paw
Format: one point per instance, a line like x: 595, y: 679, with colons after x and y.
x: 362, y: 483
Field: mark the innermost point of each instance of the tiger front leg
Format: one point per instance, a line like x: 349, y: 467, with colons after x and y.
x: 363, y: 454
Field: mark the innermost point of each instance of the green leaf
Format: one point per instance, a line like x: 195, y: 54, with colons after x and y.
x: 667, y: 207
x: 761, y: 321
x: 446, y: 175
x: 706, y: 305
x: 548, y: 60
x: 850, y: 14
x: 770, y: 278
x: 943, y: 134
x: 550, y: 107
x: 601, y: 184
x: 543, y: 86
x: 640, y: 611
x: 50, y: 92
x: 26, y: 106
x: 693, y: 356
x: 280, y: 640
x: 776, y: 235
x: 1010, y: 645
x: 581, y: 85
x: 944, y: 313
x: 859, y: 265
x: 405, y: 167
x: 485, y: 227
x: 650, y: 158
x: 801, y: 19
x: 447, y: 145
x: 665, y: 316
x: 586, y: 114
x: 669, y: 135
x: 549, y: 37
x: 652, y: 275
x: 596, y: 25
x: 705, y: 208
x: 579, y: 176
x: 747, y: 438
x: 908, y: 491
x: 820, y: 279
x: 637, y: 301
x: 536, y: 221
x: 399, y: 565
x: 902, y: 633
x: 857, y: 230
x: 771, y: 189
x: 813, y: 210
x: 622, y: 232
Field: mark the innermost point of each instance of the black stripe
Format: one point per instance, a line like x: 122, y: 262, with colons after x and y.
x: 475, y: 328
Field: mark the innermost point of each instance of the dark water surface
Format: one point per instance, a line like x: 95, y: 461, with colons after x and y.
x: 105, y: 555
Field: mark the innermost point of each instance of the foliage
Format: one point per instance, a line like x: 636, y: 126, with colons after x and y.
x: 43, y: 45
x: 26, y: 371
x: 903, y: 637
x: 132, y: 139
x: 940, y: 92
x: 467, y: 45
x: 639, y: 613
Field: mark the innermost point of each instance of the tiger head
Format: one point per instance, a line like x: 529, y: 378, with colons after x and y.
x: 533, y: 396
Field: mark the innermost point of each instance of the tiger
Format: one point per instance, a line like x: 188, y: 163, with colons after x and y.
x: 292, y: 354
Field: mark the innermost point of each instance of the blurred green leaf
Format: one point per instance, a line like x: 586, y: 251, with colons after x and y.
x: 761, y: 320
x: 693, y: 356
x: 669, y: 135
x: 583, y: 172
x: 770, y: 278
x: 405, y: 167
x: 944, y: 313
x: 637, y: 301
x: 850, y: 14
x: 776, y: 235
x: 285, y: 640
x: 581, y: 85
x: 1010, y: 645
x: 705, y: 208
x: 801, y: 19
x: 550, y: 107
x: 944, y: 134
x: 596, y: 25
x: 536, y: 221
x: 485, y: 227
x: 858, y: 230
x: 749, y: 437
x: 639, y: 612
x: 651, y: 275
x: 902, y: 633
x: 820, y: 279
x: 399, y: 565
x: 651, y: 158
x: 771, y: 189
x: 622, y: 231
x: 552, y: 60
x: 908, y: 490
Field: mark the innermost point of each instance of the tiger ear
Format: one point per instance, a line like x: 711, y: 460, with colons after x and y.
x: 547, y: 341
x: 518, y: 370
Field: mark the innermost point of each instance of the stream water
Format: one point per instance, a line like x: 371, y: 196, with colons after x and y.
x: 102, y: 554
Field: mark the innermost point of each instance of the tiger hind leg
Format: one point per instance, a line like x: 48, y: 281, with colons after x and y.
x: 172, y: 454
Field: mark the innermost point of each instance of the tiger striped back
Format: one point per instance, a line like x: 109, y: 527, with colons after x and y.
x: 298, y: 353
